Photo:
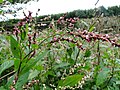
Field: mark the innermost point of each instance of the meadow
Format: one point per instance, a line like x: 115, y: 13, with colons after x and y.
x: 71, y: 54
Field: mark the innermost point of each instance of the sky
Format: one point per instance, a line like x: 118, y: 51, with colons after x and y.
x: 57, y: 6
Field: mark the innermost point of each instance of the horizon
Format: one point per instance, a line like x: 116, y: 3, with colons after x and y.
x: 48, y: 7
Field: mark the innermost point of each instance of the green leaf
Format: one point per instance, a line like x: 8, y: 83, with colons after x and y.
x: 71, y: 61
x: 39, y: 57
x: 71, y: 45
x: 1, y: 1
x: 106, y: 55
x: 16, y: 64
x: 10, y: 1
x: 118, y: 82
x: 6, y: 65
x: 39, y: 67
x: 15, y: 47
x: 9, y: 82
x: 23, y: 35
x: 61, y: 65
x: 75, y: 53
x: 1, y: 11
x: 27, y: 28
x: 87, y: 53
x: 2, y: 88
x: 31, y: 63
x: 21, y: 81
x: 102, y: 76
x: 91, y: 28
x: 33, y: 74
x: 35, y: 46
x: 69, y: 51
x: 51, y: 73
x: 70, y: 80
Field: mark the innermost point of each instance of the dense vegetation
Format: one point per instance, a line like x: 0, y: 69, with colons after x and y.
x: 70, y: 53
x: 59, y: 57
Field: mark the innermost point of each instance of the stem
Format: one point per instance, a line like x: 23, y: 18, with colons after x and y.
x: 28, y: 54
x: 7, y: 75
x: 98, y: 47
x: 98, y: 50
x: 20, y: 62
x: 19, y: 68
x: 96, y: 2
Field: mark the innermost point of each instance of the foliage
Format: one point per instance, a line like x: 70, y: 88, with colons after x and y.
x: 61, y: 57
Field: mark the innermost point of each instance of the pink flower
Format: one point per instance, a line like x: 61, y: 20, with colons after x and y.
x: 16, y: 31
x: 29, y: 37
x: 55, y: 39
x: 88, y: 38
x: 21, y: 23
x: 73, y: 21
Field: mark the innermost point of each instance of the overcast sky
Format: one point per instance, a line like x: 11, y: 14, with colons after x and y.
x: 60, y: 6
x: 57, y: 6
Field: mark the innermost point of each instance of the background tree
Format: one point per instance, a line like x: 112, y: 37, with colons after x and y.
x: 16, y: 1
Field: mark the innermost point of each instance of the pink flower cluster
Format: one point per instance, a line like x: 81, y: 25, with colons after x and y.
x: 63, y: 21
x: 27, y: 19
x: 31, y: 39
x: 89, y: 36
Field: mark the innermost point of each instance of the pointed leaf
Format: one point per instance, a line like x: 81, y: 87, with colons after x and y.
x: 70, y: 80
x: 71, y: 61
x: 102, y: 76
x: 51, y: 73
x: 16, y: 64
x: 6, y: 65
x: 91, y: 28
x: 39, y: 67
x: 15, y: 47
x: 9, y: 82
x: 21, y: 81
x: 32, y: 62
x: 87, y: 53
x: 33, y: 74
x: 69, y: 51
x: 23, y: 35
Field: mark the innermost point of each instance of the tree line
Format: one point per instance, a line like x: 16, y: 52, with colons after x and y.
x: 90, y: 13
x: 110, y: 11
